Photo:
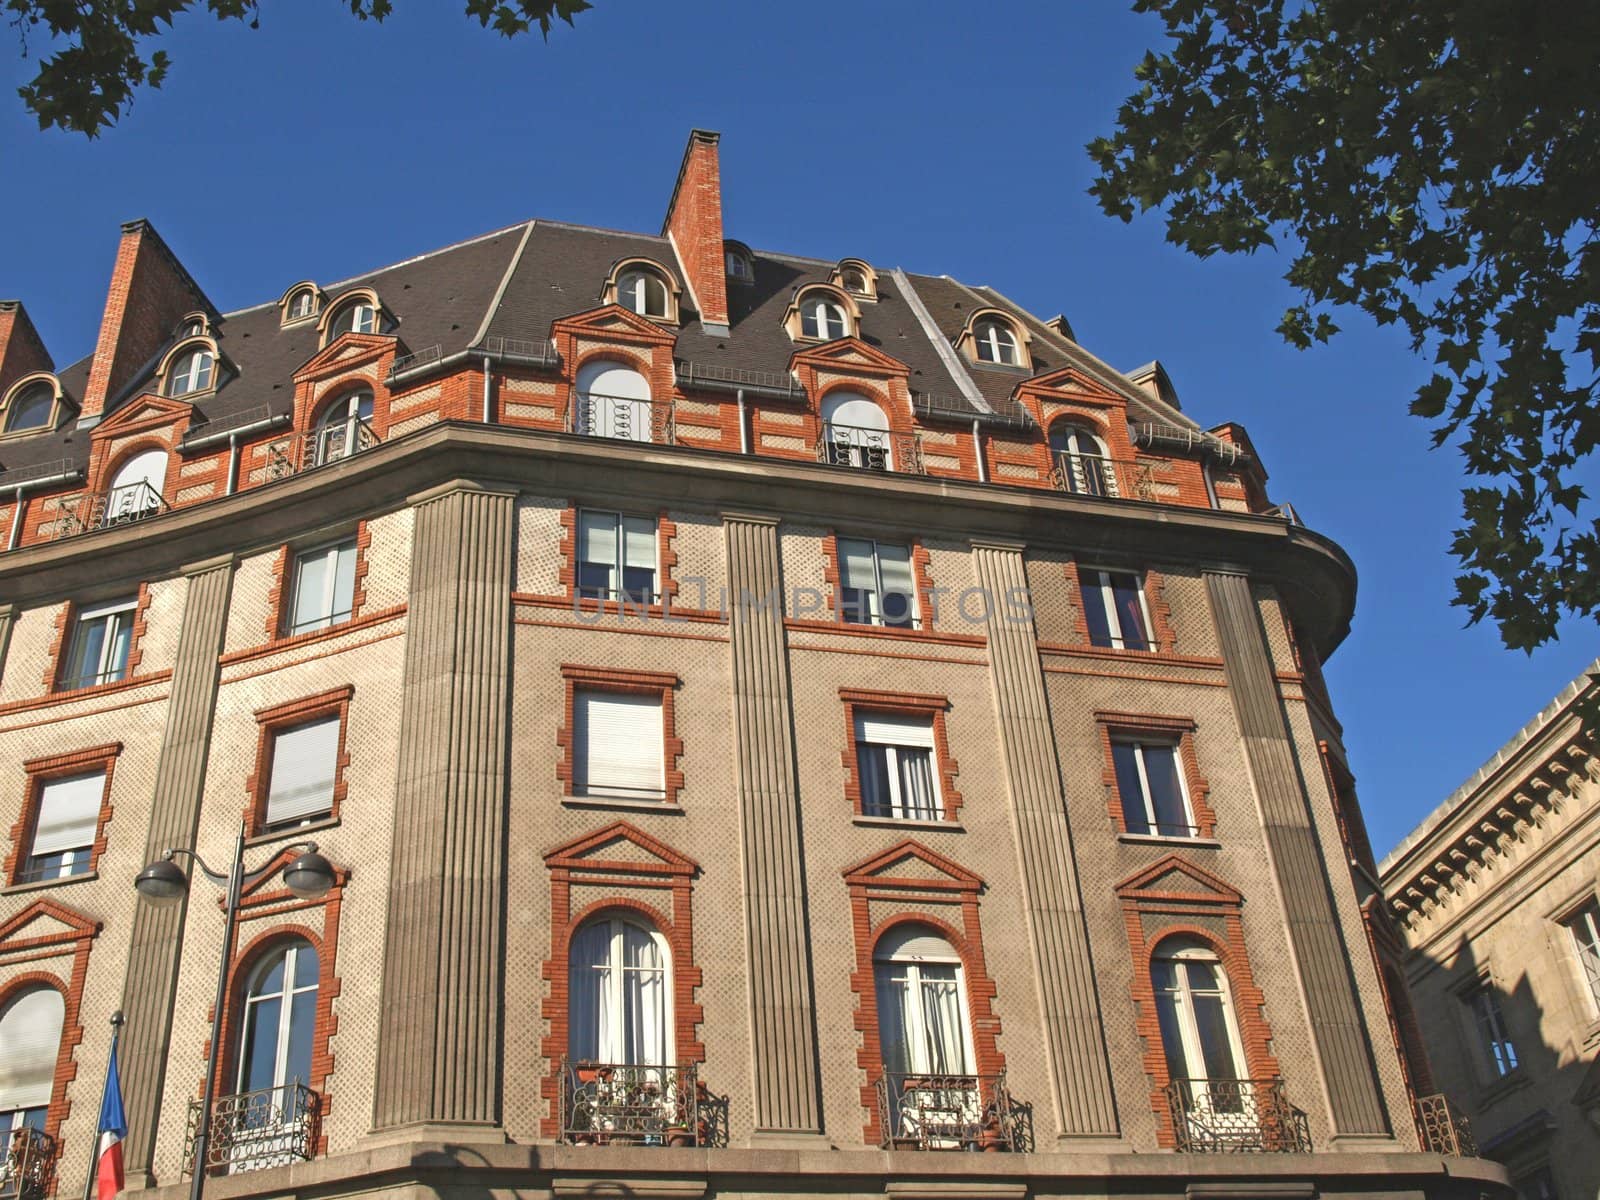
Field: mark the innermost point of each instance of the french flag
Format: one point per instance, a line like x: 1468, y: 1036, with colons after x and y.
x: 113, y: 1128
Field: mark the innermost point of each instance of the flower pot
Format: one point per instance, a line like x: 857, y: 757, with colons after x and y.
x: 678, y: 1135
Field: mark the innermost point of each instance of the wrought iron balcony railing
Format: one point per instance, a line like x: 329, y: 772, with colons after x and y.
x: 318, y: 447
x: 595, y: 414
x: 870, y: 449
x: 119, y: 506
x: 631, y: 1104
x: 251, y: 1131
x: 946, y: 1112
x: 1099, y: 475
x: 30, y: 1165
x: 1444, y: 1129
x: 1230, y: 1116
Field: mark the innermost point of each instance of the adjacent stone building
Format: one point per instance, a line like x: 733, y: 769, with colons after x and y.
x: 781, y: 727
x: 1497, y: 898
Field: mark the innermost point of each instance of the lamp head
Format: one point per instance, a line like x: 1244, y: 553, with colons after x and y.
x: 310, y: 875
x: 162, y: 882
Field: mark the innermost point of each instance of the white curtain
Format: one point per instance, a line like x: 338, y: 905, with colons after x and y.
x: 617, y: 995
x: 644, y: 998
x: 589, y: 1021
x: 944, y: 1040
x: 894, y: 1017
x: 918, y: 800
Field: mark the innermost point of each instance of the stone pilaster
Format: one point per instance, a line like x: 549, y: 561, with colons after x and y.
x: 1074, y: 1035
x: 439, y: 1050
x: 782, y: 1017
x: 149, y: 988
x: 8, y: 616
x: 1318, y: 942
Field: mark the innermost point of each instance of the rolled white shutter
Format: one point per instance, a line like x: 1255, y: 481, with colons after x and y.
x: 855, y: 563
x: 598, y: 538
x: 69, y: 812
x: 888, y: 729
x: 30, y: 1039
x: 617, y: 743
x: 304, y: 763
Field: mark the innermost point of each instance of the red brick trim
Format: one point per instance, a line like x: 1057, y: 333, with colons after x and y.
x: 1346, y: 808
x: 76, y: 940
x: 1152, y: 917
x: 666, y: 560
x: 66, y: 624
x: 1415, y: 1070
x: 269, y: 915
x: 279, y: 719
x: 665, y: 899
x: 1154, y: 585
x: 1177, y: 730
x: 639, y: 683
x: 279, y: 608
x: 921, y: 579
x: 861, y: 700
x: 41, y: 771
x: 946, y: 900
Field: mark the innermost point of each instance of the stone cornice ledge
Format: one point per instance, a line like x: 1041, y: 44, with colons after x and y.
x: 1316, y: 575
x: 472, y: 1168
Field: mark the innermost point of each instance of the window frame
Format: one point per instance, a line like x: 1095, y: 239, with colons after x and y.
x: 332, y: 619
x: 645, y: 277
x: 876, y: 617
x: 1584, y: 918
x: 1109, y: 611
x: 32, y: 384
x: 865, y: 704
x: 281, y: 949
x: 614, y: 974
x: 619, y: 565
x: 1077, y: 469
x: 659, y: 684
x: 813, y: 308
x: 1488, y: 1031
x: 178, y: 382
x: 36, y: 1116
x: 994, y: 327
x: 912, y: 965
x: 1146, y: 799
x: 105, y: 610
x: 1157, y: 729
x: 40, y: 773
x: 279, y: 719
x: 1183, y: 1008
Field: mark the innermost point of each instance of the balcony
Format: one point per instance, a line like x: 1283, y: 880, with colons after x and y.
x: 319, y: 447
x: 1444, y: 1130
x: 1099, y: 475
x: 627, y: 419
x: 1236, y: 1116
x: 119, y: 506
x: 251, y: 1131
x: 947, y: 1112
x: 870, y: 449
x: 623, y: 1104
x: 30, y: 1165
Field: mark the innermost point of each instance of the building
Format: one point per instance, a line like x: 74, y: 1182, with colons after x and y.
x: 779, y: 724
x: 1495, y: 897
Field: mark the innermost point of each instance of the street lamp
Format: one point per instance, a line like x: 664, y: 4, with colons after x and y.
x: 308, y: 875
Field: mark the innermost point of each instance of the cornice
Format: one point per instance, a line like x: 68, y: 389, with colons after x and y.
x: 1315, y: 576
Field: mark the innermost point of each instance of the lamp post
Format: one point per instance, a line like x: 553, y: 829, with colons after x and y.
x: 308, y: 876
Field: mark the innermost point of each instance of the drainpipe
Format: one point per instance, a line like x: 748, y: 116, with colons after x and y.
x: 744, y: 426
x: 488, y: 401
x: 16, y: 523
x: 233, y: 465
x: 977, y: 449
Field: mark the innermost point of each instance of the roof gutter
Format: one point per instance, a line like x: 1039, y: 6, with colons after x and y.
x: 223, y: 435
x: 19, y: 490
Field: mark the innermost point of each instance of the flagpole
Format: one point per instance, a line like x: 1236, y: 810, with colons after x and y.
x: 117, y: 1020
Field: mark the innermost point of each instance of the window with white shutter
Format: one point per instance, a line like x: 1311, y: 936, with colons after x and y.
x: 324, y: 587
x: 617, y: 745
x: 617, y: 557
x: 30, y: 1040
x: 67, y: 819
x: 876, y: 585
x: 305, y: 769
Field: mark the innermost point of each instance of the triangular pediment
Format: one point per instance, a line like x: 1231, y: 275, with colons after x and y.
x: 1074, y: 382
x: 346, y: 351
x: 148, y: 411
x: 911, y: 863
x: 1176, y: 876
x: 612, y: 320
x: 620, y: 846
x: 269, y: 878
x: 45, y: 921
x: 847, y: 353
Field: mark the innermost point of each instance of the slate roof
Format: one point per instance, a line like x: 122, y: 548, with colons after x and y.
x: 514, y: 282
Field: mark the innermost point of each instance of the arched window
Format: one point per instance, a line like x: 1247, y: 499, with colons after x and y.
x: 853, y: 280
x: 355, y: 316
x: 821, y: 318
x: 923, y: 1026
x: 739, y: 265
x: 279, y: 1021
x: 996, y: 342
x: 1199, y: 1032
x: 643, y: 292
x: 344, y: 427
x: 855, y: 433
x: 301, y: 304
x: 30, y: 1039
x: 613, y: 401
x: 617, y: 994
x: 192, y: 372
x: 1080, y: 463
x: 31, y: 407
x: 136, y: 487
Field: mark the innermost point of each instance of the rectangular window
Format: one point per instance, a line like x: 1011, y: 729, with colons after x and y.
x: 1114, y: 608
x: 1154, y: 797
x: 1584, y: 925
x: 617, y: 557
x: 1491, y: 1024
x: 617, y: 745
x: 875, y: 584
x: 101, y: 640
x: 324, y: 586
x: 894, y: 758
x: 305, y: 769
x: 64, y: 828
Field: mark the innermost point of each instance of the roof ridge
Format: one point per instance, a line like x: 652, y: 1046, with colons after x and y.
x: 941, y: 344
x: 505, y: 280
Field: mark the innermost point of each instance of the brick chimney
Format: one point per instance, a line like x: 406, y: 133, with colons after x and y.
x: 22, y: 351
x: 694, y: 225
x: 150, y: 291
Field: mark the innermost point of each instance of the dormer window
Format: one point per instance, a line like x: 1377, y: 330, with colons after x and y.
x: 192, y: 326
x: 739, y: 264
x: 996, y: 343
x: 822, y: 319
x: 31, y: 406
x: 192, y: 371
x: 300, y: 303
x: 856, y: 278
x: 358, y: 316
x: 643, y: 292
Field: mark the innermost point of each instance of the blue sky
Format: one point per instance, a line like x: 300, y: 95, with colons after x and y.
x: 931, y: 135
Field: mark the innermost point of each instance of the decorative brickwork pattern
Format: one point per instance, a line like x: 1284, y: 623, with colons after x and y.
x: 642, y: 876
x: 1173, y: 897
x: 638, y: 683
x: 280, y: 718
x: 1147, y: 726
x: 937, y: 893
x: 907, y: 704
